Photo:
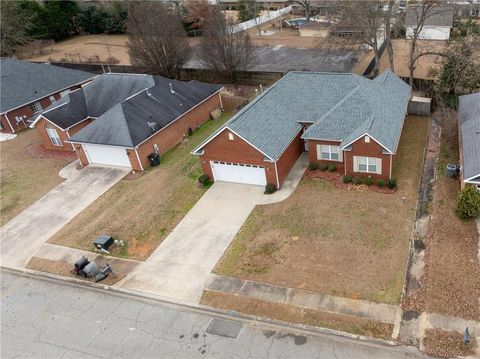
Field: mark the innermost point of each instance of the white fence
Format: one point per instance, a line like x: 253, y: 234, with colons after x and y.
x: 262, y: 19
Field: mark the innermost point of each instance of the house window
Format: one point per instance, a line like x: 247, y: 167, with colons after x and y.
x: 36, y: 107
x: 65, y: 92
x: 367, y: 164
x: 54, y: 137
x: 329, y: 153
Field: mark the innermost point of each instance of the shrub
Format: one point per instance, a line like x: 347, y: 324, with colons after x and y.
x: 391, y: 183
x: 323, y: 167
x: 368, y: 181
x: 270, y: 188
x: 332, y: 168
x: 468, y: 203
x: 347, y: 179
x: 204, y: 180
x: 357, y: 181
x: 313, y: 166
x: 380, y: 183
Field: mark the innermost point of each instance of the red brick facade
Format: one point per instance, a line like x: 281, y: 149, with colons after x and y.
x: 26, y: 111
x: 314, y: 155
x: 42, y: 126
x: 289, y: 157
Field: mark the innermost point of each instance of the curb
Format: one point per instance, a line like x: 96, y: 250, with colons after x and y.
x: 203, y: 309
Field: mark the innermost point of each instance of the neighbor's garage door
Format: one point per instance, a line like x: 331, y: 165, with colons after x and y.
x: 107, y: 155
x: 240, y: 173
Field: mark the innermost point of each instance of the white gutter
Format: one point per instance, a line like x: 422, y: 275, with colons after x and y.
x: 276, y: 174
x: 138, y: 159
x: 391, y: 158
x: 68, y: 135
x: 8, y: 120
x: 221, y: 102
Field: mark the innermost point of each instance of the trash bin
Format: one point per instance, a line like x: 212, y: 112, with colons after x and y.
x: 103, y: 242
x: 451, y: 170
x: 154, y: 159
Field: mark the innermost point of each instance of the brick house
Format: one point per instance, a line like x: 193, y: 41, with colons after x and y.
x: 27, y: 88
x: 119, y: 119
x: 341, y: 119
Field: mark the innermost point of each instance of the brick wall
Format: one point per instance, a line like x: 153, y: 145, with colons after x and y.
x: 289, y: 157
x: 313, y: 155
x: 42, y: 125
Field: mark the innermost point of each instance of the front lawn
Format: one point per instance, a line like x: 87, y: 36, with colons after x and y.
x: 339, y: 242
x: 142, y: 212
x: 25, y: 179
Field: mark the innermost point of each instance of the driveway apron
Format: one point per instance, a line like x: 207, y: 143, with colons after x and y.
x: 180, y: 267
x: 25, y: 233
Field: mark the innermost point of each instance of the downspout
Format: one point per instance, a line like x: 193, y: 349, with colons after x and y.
x: 8, y: 121
x: 345, y: 162
x: 68, y: 135
x: 138, y: 159
x: 391, y: 156
x: 221, y: 102
x: 276, y: 174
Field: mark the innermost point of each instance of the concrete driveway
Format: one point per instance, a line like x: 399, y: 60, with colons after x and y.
x: 181, y: 266
x: 25, y: 233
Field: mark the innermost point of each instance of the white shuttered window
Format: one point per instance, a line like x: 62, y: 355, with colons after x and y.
x: 329, y: 153
x: 367, y: 164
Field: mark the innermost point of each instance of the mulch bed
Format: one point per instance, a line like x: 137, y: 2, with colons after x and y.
x: 38, y: 151
x: 447, y: 344
x: 336, y: 179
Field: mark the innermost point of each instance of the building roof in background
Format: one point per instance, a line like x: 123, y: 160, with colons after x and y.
x: 340, y: 106
x: 469, y: 111
x: 130, y: 108
x: 23, y: 82
x: 438, y: 16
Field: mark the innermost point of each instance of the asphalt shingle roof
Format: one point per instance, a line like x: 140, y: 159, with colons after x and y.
x: 438, y: 16
x: 129, y: 103
x: 23, y: 82
x: 469, y: 110
x: 340, y: 106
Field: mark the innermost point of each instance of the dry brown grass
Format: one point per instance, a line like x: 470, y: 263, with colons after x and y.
x: 352, y: 244
x: 291, y: 314
x: 24, y: 179
x: 142, y: 212
x: 447, y: 344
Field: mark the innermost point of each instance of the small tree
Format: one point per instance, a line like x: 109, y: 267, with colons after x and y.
x: 468, y: 203
x: 157, y: 39
x: 248, y: 9
x: 224, y: 50
x: 15, y: 27
x: 306, y: 5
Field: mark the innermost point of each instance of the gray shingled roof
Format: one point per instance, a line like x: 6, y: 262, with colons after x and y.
x: 341, y: 106
x: 469, y: 109
x: 438, y: 16
x: 23, y: 82
x: 131, y: 101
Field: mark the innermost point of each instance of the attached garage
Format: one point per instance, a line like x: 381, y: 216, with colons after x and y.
x: 107, y: 155
x: 239, y: 173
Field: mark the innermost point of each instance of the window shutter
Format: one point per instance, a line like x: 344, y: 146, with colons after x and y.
x: 379, y: 166
x: 355, y: 163
x: 319, y: 152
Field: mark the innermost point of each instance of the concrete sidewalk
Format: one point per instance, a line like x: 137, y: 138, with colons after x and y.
x: 25, y: 233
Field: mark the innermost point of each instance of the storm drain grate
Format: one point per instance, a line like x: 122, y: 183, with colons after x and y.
x: 224, y: 328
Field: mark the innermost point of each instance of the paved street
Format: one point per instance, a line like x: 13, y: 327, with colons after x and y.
x: 44, y: 318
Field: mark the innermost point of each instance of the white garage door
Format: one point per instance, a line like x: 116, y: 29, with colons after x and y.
x: 107, y: 155
x: 240, y: 173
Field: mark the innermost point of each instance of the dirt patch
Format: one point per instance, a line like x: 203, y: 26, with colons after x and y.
x: 65, y: 269
x: 447, y: 344
x: 24, y: 178
x: 293, y: 314
x: 36, y: 150
x: 344, y: 243
x: 144, y: 211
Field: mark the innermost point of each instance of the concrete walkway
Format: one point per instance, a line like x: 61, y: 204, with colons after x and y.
x: 306, y: 299
x: 25, y: 233
x: 180, y: 267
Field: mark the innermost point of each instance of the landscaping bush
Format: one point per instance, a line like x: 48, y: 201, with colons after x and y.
x: 323, y: 167
x: 332, y: 168
x: 204, y: 180
x: 391, y: 183
x: 270, y: 188
x: 368, y: 181
x: 347, y: 179
x: 380, y: 183
x: 358, y: 181
x: 313, y: 166
x: 468, y: 203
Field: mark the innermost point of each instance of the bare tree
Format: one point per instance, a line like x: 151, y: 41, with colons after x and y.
x: 223, y: 49
x: 157, y: 39
x: 14, y: 27
x: 196, y: 13
x: 388, y: 32
x: 417, y: 17
x: 306, y: 5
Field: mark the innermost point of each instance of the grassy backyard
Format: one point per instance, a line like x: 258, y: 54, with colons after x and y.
x: 142, y: 212
x: 346, y: 243
x: 24, y: 179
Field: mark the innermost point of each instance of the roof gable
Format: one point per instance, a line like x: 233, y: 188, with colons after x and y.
x: 469, y: 111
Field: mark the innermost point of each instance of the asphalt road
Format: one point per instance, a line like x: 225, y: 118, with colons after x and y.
x: 43, y: 318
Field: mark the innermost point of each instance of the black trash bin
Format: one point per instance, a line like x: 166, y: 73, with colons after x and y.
x: 154, y: 159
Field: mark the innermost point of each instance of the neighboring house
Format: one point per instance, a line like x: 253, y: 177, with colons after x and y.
x: 437, y: 24
x: 119, y: 119
x: 469, y: 134
x: 314, y: 29
x: 265, y: 4
x: 341, y: 119
x: 27, y: 88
